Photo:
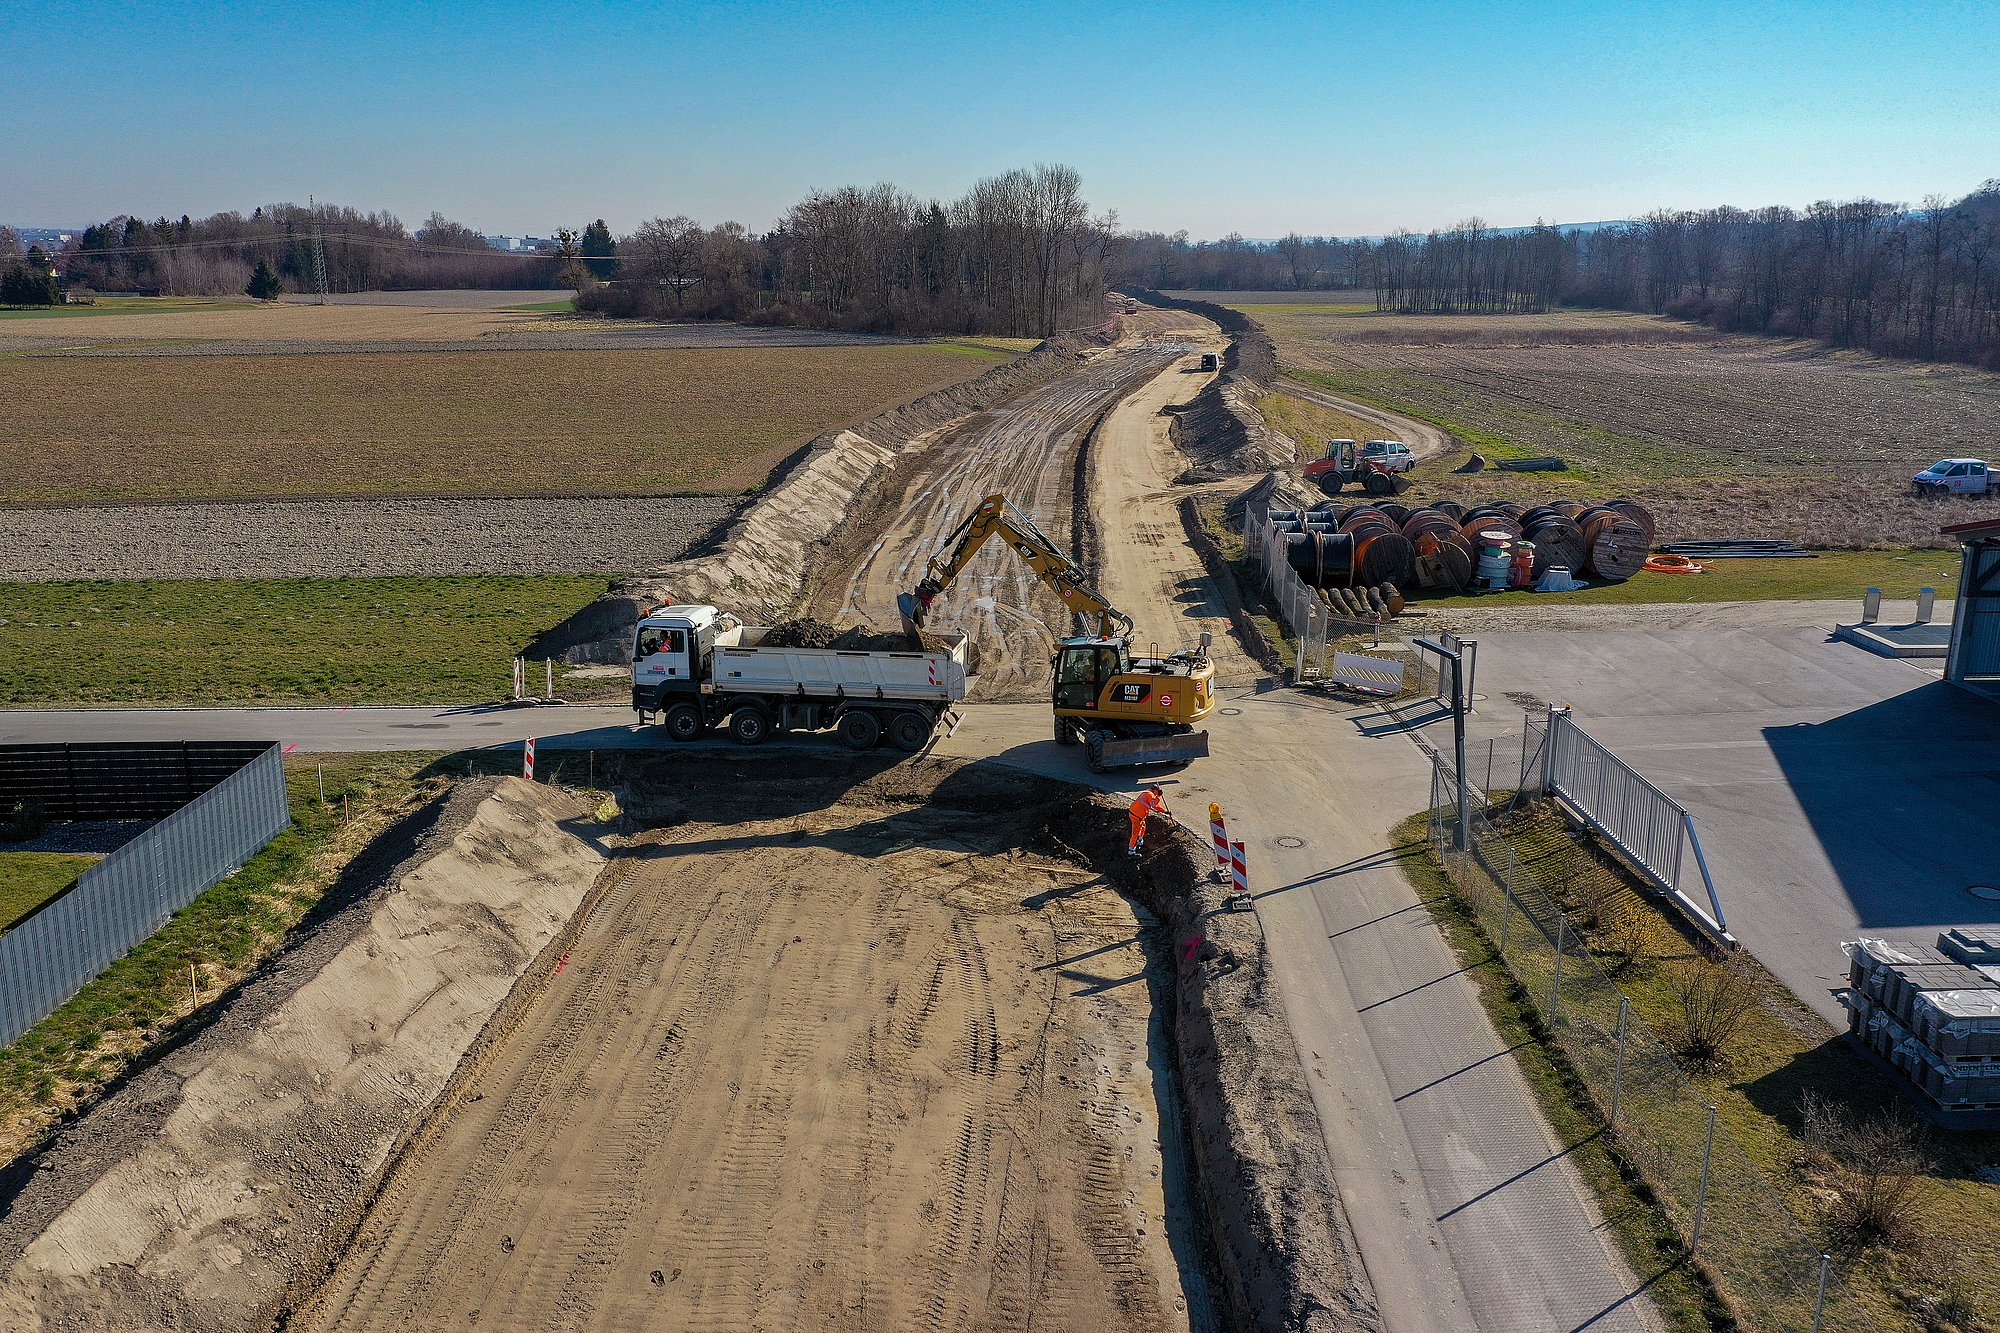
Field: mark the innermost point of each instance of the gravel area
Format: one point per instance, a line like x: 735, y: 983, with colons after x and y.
x: 340, y: 538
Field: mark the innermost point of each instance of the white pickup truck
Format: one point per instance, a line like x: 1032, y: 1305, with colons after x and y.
x: 1956, y: 476
x: 699, y: 667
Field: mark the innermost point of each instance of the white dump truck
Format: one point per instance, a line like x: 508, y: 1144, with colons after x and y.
x: 699, y: 667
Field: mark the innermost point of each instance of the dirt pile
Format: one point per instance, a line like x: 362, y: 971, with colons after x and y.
x: 1284, y: 1248
x: 805, y: 632
x: 829, y: 1052
x: 763, y: 563
x: 1221, y: 431
x: 218, y: 1179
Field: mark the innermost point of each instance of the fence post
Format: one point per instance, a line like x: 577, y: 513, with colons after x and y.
x: 1819, y: 1301
x: 1618, y: 1068
x: 548, y: 678
x: 1507, y: 902
x: 1556, y: 981
x: 1701, y: 1193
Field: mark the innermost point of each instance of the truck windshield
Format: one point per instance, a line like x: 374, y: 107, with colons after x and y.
x: 659, y: 639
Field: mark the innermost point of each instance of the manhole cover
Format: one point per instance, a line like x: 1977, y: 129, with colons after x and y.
x: 1289, y: 841
x: 1231, y: 712
x: 1987, y: 891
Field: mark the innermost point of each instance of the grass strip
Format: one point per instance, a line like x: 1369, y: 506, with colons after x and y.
x: 1783, y: 1051
x: 29, y: 879
x: 69, y: 1059
x: 206, y: 641
x: 1831, y: 575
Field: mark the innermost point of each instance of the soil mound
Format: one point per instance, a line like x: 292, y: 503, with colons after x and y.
x: 805, y: 632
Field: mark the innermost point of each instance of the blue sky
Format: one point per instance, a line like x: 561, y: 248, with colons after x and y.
x: 1327, y: 118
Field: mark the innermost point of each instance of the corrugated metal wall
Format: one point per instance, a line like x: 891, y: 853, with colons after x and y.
x: 131, y: 893
x: 1975, y: 636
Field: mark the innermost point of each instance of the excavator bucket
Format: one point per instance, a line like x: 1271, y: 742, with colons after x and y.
x: 1150, y: 750
x: 912, y: 612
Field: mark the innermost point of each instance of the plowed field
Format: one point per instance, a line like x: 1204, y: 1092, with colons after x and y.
x: 1728, y: 435
x: 451, y: 423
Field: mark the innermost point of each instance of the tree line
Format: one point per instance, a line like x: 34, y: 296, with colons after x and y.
x: 1913, y: 282
x: 1017, y: 255
x: 357, y: 251
x: 27, y: 276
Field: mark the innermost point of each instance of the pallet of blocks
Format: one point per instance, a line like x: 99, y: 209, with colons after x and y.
x: 1932, y: 1013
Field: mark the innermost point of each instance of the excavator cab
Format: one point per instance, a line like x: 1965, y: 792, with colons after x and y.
x: 1084, y: 668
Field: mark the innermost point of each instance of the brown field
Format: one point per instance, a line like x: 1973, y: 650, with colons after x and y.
x: 206, y: 318
x: 709, y: 420
x: 1732, y: 436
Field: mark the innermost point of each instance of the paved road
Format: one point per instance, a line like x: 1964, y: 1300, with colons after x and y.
x: 1836, y: 793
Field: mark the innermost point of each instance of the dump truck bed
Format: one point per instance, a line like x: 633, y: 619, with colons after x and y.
x: 936, y: 676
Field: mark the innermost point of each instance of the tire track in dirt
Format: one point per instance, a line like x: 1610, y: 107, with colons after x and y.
x: 795, y: 1074
x: 1026, y: 449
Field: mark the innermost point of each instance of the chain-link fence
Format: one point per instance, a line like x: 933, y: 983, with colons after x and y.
x: 1304, y: 613
x: 1724, y: 1208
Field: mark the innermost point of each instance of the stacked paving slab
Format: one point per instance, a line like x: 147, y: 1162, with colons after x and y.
x: 1934, y: 1015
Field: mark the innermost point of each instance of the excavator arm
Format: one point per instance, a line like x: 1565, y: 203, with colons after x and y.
x: 997, y: 516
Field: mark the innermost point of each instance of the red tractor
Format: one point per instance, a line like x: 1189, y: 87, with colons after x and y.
x: 1380, y: 466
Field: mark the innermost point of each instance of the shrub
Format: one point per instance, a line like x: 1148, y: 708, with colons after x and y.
x: 1874, y: 1167
x: 1714, y: 999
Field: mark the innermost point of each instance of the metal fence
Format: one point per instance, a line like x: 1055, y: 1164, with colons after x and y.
x: 1651, y: 828
x: 1302, y: 609
x: 128, y: 895
x: 1723, y: 1207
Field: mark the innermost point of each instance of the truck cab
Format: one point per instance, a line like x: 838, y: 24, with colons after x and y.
x: 673, y: 648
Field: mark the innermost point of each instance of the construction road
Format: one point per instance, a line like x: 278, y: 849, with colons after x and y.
x: 1466, y: 1209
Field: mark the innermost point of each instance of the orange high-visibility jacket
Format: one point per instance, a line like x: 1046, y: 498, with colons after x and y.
x: 1149, y: 803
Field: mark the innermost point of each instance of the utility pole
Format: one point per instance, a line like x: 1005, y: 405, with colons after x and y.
x: 318, y: 251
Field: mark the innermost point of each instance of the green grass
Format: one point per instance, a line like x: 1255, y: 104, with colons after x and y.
x: 374, y: 640
x: 1832, y: 575
x: 566, y: 306
x: 65, y: 1060
x: 29, y: 879
x: 1782, y: 1052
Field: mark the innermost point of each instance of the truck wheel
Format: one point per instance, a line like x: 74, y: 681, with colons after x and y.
x: 684, y: 722
x: 860, y: 729
x: 749, y: 726
x: 1065, y: 731
x: 909, y: 731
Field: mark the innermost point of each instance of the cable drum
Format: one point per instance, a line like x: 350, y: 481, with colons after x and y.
x: 1617, y: 546
x: 1443, y: 559
x: 1384, y: 555
x: 1638, y: 513
x: 1321, y: 559
x: 1557, y: 540
x: 1478, y: 522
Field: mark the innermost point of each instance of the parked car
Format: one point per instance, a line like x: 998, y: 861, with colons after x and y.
x: 1956, y: 476
x: 1391, y: 455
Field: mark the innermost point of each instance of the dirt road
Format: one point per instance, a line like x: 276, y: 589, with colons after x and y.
x: 1026, y: 449
x: 1425, y: 440
x: 823, y: 1058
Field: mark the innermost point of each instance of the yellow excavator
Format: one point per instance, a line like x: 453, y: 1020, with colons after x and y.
x: 1124, y: 710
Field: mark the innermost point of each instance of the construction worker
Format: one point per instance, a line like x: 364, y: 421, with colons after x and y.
x: 1150, y: 802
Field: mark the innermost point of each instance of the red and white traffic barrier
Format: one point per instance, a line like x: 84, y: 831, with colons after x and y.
x: 1239, y: 875
x: 1219, y: 832
x: 528, y: 759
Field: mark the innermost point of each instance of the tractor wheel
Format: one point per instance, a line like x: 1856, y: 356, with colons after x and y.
x: 1379, y: 483
x: 684, y: 722
x: 1331, y: 483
